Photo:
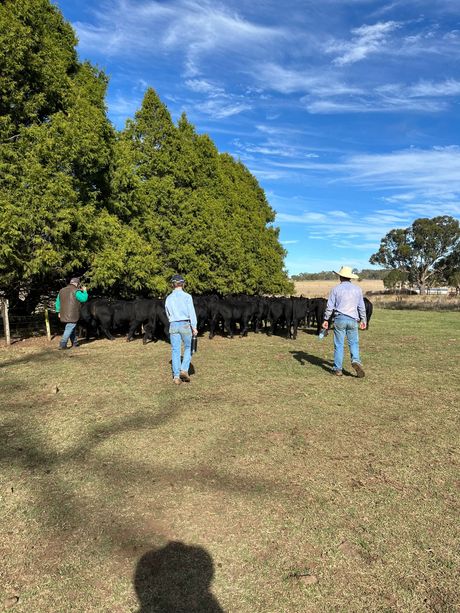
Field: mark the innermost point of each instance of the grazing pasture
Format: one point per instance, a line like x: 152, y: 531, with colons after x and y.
x: 264, y: 485
x: 310, y: 289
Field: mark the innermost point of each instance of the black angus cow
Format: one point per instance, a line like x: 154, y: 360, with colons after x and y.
x: 300, y: 311
x: 203, y: 309
x: 148, y: 312
x: 369, y: 309
x: 232, y: 310
x: 161, y: 327
x: 317, y: 310
x: 261, y: 314
x: 279, y: 314
x: 104, y: 315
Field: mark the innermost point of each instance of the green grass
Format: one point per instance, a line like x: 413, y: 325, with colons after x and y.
x: 294, y: 490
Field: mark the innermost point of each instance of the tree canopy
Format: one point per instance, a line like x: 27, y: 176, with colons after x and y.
x: 128, y: 208
x: 419, y: 249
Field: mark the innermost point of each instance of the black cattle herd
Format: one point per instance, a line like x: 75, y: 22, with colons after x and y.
x: 225, y: 315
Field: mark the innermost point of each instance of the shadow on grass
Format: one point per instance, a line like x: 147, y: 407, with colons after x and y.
x: 48, y: 354
x: 302, y: 357
x: 176, y: 579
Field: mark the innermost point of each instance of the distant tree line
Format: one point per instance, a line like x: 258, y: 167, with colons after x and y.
x: 425, y: 254
x: 127, y: 208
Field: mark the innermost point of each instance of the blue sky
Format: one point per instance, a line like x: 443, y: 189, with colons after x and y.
x: 347, y: 111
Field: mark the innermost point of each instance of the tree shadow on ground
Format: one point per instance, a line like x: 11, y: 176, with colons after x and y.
x: 176, y: 579
x: 47, y: 354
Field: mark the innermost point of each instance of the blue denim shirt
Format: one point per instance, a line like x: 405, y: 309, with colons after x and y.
x: 346, y: 299
x: 179, y: 307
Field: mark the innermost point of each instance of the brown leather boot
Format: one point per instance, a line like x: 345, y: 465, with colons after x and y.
x: 359, y: 369
x: 177, y: 381
x: 184, y: 376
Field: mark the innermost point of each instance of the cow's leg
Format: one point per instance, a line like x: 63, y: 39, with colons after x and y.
x: 212, y: 327
x: 149, y: 329
x: 107, y: 333
x: 228, y: 327
x: 132, y: 329
x: 288, y: 329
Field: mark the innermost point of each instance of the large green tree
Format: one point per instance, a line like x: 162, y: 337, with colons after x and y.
x: 204, y: 210
x: 55, y: 150
x: 448, y: 268
x: 417, y: 249
x: 126, y: 209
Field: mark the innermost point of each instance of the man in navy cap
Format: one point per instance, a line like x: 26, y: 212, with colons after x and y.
x: 182, y: 324
x: 68, y: 304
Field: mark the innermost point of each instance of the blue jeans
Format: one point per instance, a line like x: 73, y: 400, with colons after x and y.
x: 178, y: 332
x: 69, y: 332
x: 345, y: 326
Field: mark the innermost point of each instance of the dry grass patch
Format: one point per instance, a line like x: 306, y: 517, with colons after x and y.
x: 312, y: 289
x: 290, y: 490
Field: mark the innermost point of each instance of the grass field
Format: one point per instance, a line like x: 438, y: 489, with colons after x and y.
x: 312, y: 289
x: 265, y: 485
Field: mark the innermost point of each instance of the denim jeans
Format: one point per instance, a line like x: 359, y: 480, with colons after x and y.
x: 69, y: 332
x: 345, y: 326
x: 178, y: 332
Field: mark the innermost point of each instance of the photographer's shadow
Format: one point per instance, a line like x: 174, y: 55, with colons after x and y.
x: 303, y: 357
x: 176, y: 579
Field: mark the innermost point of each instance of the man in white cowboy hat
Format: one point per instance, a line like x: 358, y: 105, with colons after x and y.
x: 347, y: 302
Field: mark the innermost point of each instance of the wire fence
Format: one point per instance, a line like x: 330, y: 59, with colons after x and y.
x: 17, y: 327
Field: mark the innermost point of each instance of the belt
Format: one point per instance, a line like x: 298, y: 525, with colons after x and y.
x: 181, y: 321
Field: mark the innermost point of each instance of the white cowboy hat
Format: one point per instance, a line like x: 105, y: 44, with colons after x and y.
x: 346, y: 271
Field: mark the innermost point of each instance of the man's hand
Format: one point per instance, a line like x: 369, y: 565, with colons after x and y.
x: 59, y: 315
x: 83, y: 289
x: 194, y: 332
x: 325, y: 325
x: 362, y: 325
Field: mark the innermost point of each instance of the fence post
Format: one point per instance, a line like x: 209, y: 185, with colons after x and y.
x: 6, y: 321
x: 47, y: 324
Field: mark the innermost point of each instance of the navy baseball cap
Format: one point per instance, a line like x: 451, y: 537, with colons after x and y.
x: 177, y: 279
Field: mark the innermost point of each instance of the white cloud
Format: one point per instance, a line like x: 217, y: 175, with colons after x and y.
x: 202, y: 86
x: 421, y: 89
x: 430, y: 173
x: 274, y: 148
x: 372, y: 104
x: 316, y: 81
x: 123, y: 106
x: 425, y: 183
x: 221, y: 108
x: 194, y: 27
x: 367, y: 39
